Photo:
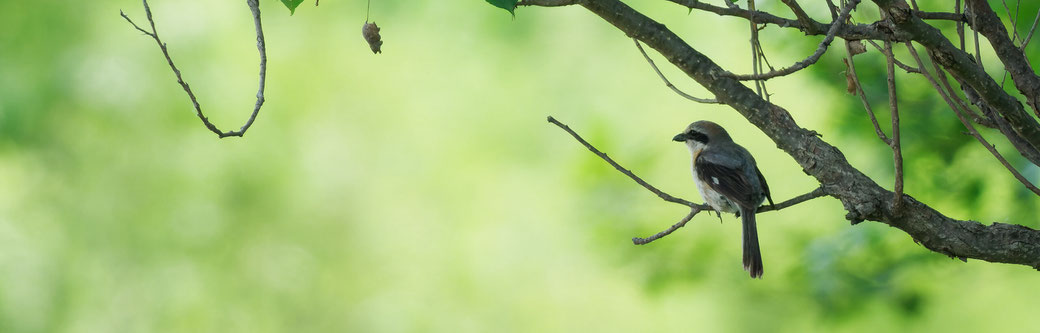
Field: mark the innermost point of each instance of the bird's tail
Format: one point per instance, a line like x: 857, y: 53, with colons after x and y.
x: 752, y: 254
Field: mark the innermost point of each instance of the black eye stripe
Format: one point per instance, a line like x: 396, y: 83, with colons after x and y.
x: 698, y: 136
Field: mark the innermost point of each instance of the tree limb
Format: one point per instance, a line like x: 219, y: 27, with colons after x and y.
x: 1015, y: 62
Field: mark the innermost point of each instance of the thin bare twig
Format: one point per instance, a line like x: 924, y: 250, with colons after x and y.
x: 669, y: 83
x: 897, y: 150
x: 254, y: 7
x: 812, y: 59
x: 756, y: 65
x: 957, y: 17
x: 801, y: 15
x: 971, y: 129
x: 905, y: 67
x: 640, y: 181
x: 1014, y: 36
x: 960, y: 24
x: 674, y: 227
x: 1014, y: 20
x: 694, y: 208
x: 1032, y: 29
x: 818, y: 192
x: 547, y: 3
x: 975, y: 30
x: 833, y: 9
x: 851, y: 75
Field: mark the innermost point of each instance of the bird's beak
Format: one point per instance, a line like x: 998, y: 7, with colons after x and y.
x: 681, y: 137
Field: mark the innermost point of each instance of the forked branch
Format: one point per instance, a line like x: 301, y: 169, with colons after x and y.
x: 812, y: 59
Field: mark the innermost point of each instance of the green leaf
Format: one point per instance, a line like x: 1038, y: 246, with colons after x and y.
x: 504, y: 4
x: 292, y: 4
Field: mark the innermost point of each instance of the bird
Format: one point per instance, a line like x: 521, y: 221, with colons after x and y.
x: 729, y: 180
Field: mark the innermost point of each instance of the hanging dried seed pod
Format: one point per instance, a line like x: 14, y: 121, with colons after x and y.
x: 371, y: 33
x: 857, y: 47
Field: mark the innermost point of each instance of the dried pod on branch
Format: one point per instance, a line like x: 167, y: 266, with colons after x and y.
x: 850, y: 78
x: 371, y: 33
x: 857, y: 47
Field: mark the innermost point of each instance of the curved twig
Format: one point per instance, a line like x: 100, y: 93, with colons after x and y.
x: 854, y: 78
x: 905, y: 67
x: 666, y: 232
x: 640, y: 181
x: 254, y: 7
x: 812, y: 59
x: 669, y: 83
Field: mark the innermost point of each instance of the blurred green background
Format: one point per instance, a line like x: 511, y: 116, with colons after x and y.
x: 422, y: 190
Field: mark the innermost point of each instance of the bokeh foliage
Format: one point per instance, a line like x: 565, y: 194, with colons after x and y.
x: 421, y: 189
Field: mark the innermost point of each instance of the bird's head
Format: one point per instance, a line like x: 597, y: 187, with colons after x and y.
x: 701, y: 133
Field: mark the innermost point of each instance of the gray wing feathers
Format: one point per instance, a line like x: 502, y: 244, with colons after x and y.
x: 732, y: 176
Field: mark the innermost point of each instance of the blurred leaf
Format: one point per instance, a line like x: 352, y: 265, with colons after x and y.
x: 504, y: 4
x: 292, y: 4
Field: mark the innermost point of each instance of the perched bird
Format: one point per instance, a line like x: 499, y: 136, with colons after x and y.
x: 729, y: 180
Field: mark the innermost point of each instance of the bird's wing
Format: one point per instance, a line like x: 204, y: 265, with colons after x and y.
x: 726, y: 176
x: 765, y: 187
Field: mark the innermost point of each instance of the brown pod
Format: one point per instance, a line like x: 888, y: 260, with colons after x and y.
x: 371, y: 33
x: 857, y: 47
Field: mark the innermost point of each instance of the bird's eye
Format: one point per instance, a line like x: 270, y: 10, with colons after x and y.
x: 698, y: 136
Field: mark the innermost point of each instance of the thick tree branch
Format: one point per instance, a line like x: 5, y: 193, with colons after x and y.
x: 1015, y: 62
x: 989, y: 118
x: 965, y: 69
x: 254, y: 7
x: 862, y: 197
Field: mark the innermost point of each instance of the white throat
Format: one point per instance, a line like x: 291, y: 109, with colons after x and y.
x: 695, y: 147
